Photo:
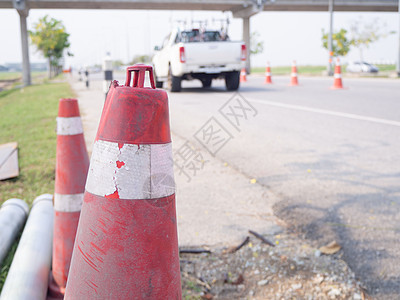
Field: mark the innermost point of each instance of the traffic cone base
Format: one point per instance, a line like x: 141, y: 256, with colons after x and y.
x: 64, y: 222
x: 293, y: 81
x: 268, y: 78
x: 148, y: 261
x: 293, y: 76
x: 54, y: 291
x: 243, y: 75
x: 337, y: 77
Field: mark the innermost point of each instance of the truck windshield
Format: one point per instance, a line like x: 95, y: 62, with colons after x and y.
x: 198, y: 36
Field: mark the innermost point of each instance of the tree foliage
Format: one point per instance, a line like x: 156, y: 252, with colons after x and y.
x: 143, y: 58
x: 340, y: 43
x: 364, y: 34
x: 256, y: 46
x: 51, y: 39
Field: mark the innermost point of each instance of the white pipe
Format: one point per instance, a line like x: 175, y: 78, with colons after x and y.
x: 13, y: 214
x: 29, y: 271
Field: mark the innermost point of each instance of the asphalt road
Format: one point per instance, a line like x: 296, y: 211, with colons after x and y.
x: 217, y: 205
x: 331, y: 158
x: 327, y: 162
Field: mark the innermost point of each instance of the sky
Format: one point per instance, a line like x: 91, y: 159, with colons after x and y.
x: 287, y: 36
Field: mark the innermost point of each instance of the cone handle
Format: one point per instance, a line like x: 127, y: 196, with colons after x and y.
x: 138, y: 77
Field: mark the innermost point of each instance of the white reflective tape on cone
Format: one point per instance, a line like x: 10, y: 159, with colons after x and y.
x: 68, y: 203
x: 267, y: 74
x: 337, y: 75
x: 294, y: 74
x: 134, y: 171
x: 69, y: 126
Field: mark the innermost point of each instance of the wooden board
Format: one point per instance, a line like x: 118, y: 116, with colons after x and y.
x: 9, y: 161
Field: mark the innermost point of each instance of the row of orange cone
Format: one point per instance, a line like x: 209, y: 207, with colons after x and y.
x: 337, y: 82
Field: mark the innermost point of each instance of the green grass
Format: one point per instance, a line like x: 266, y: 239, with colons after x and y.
x: 314, y: 70
x: 5, y: 267
x: 10, y: 75
x: 286, y: 70
x: 386, y: 67
x: 17, y: 76
x: 28, y: 116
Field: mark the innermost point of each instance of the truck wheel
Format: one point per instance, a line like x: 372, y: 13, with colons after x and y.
x: 206, y: 82
x: 159, y: 84
x: 174, y: 83
x: 232, y: 81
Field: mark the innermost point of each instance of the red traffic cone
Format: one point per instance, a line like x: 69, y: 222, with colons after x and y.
x: 268, y: 78
x: 293, y: 76
x: 127, y: 245
x: 72, y: 165
x: 243, y: 74
x: 337, y: 81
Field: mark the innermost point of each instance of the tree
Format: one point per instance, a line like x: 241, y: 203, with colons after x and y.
x: 363, y: 34
x: 141, y: 59
x: 51, y: 39
x: 256, y: 46
x: 340, y: 43
x: 118, y: 63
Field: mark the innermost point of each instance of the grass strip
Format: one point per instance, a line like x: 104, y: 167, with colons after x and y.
x: 28, y: 116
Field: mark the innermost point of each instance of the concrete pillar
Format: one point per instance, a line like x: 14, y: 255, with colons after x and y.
x: 26, y: 68
x: 330, y: 67
x: 108, y: 73
x: 398, y: 58
x: 246, y: 39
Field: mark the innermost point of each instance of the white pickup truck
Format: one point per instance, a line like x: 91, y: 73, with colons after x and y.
x: 198, y: 54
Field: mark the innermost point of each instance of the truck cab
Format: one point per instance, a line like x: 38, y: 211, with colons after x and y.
x: 198, y: 54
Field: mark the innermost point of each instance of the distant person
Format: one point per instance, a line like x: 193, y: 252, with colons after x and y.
x: 80, y: 72
x: 87, y: 77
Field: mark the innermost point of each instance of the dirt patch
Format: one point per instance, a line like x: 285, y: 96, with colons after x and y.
x: 289, y: 270
x: 6, y: 84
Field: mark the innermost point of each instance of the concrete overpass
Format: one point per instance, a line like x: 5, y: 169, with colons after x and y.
x: 236, y: 6
x: 240, y: 9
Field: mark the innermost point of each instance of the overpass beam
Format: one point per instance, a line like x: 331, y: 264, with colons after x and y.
x: 23, y: 11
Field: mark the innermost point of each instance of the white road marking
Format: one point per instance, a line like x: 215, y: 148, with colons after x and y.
x: 328, y: 112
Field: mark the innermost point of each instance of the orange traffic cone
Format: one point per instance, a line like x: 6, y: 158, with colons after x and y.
x: 127, y: 244
x: 337, y: 81
x: 293, y: 76
x: 268, y: 79
x: 72, y: 165
x: 243, y: 75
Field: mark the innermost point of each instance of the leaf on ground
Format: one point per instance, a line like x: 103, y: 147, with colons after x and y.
x: 330, y: 248
x: 239, y: 280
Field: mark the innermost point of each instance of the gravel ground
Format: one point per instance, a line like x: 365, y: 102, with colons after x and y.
x: 289, y: 270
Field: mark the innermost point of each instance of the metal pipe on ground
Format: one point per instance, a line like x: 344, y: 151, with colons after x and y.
x: 29, y: 272
x: 13, y: 214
